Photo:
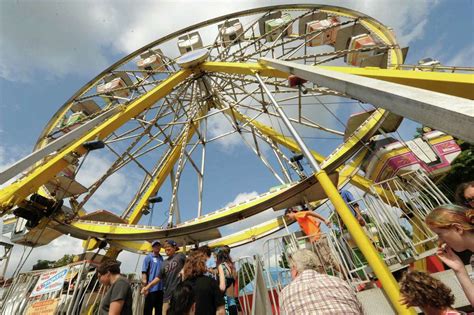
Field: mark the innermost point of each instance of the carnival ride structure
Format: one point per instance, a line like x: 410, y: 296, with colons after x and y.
x: 277, y: 78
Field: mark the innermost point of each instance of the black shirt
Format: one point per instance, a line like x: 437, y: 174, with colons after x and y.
x: 169, y: 274
x: 120, y: 290
x: 207, y: 293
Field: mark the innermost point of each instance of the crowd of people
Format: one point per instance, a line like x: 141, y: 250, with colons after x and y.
x: 205, y: 281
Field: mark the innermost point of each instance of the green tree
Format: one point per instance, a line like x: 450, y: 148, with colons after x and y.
x: 283, y: 261
x: 48, y: 264
x: 246, y: 274
x: 63, y: 261
x: 462, y: 169
x: 43, y: 264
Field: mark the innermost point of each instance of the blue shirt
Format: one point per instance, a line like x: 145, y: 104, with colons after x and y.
x: 151, y: 266
x: 211, y: 263
x: 348, y: 198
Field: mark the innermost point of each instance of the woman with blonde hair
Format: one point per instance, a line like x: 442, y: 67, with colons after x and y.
x: 209, y: 299
x: 455, y: 228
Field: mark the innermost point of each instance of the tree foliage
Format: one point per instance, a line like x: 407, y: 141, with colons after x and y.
x: 283, y: 261
x: 246, y: 274
x: 43, y: 264
x: 462, y: 169
x: 47, y: 264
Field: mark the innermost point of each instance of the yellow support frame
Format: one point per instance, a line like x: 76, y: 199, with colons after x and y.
x: 161, y: 176
x: 456, y: 84
x: 389, y: 284
x: 15, y: 193
x: 356, y: 179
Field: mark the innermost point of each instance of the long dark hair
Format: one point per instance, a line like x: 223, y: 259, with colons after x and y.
x: 223, y: 256
x: 182, y: 300
x: 459, y: 194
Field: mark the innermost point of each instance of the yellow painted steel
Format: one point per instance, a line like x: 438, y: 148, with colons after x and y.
x: 161, y: 176
x: 236, y: 239
x: 242, y: 68
x: 131, y: 229
x: 456, y: 84
x: 357, y: 180
x: 19, y: 190
x: 389, y: 284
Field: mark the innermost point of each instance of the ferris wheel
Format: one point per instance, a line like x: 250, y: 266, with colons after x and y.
x: 173, y: 115
x: 163, y: 131
x: 165, y: 113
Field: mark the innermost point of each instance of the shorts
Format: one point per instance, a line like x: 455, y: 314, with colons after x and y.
x: 325, y: 257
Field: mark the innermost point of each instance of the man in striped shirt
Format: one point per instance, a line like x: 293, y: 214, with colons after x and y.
x: 311, y: 292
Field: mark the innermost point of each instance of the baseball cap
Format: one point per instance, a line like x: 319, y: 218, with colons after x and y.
x: 172, y: 243
x: 155, y: 242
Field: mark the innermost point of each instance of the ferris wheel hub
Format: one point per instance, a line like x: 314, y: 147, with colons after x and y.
x: 193, y: 58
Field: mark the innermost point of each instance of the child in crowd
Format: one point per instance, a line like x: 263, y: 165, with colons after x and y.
x: 431, y: 295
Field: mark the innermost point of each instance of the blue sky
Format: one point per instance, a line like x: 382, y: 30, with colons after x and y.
x: 49, y: 49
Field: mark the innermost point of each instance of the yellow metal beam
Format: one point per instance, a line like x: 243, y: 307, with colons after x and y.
x: 456, y: 84
x: 352, y: 142
x: 389, y: 284
x: 19, y: 190
x: 235, y: 239
x: 356, y: 179
x: 163, y: 173
x: 125, y: 229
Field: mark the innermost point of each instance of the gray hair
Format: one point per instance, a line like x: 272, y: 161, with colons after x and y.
x: 304, y: 259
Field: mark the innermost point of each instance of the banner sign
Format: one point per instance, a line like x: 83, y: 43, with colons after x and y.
x: 50, y: 281
x: 46, y: 307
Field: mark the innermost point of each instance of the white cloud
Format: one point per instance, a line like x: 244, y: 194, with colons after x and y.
x: 53, y: 251
x: 218, y: 125
x: 242, y: 197
x: 57, y: 249
x: 464, y: 58
x: 58, y: 38
x: 407, y: 18
x: 251, y: 221
x: 115, y: 192
x: 53, y: 37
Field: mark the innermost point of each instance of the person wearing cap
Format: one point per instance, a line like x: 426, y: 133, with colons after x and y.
x: 353, y: 206
x: 169, y: 273
x: 150, y: 270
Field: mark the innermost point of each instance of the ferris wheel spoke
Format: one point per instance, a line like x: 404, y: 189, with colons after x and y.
x: 234, y: 112
x: 127, y: 156
x: 280, y: 43
x: 180, y: 164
